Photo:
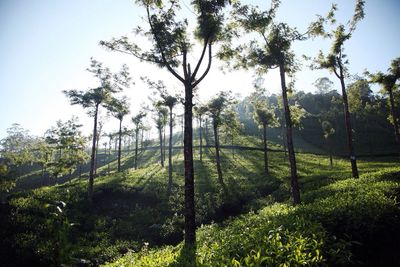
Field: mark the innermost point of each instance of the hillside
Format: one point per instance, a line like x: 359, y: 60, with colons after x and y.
x: 132, y: 211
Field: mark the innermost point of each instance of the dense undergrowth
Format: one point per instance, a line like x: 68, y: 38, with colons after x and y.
x: 342, y: 221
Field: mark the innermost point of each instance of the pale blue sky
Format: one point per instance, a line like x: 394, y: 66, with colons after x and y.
x: 45, y: 46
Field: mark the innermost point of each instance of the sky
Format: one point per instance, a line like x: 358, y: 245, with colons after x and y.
x: 46, y: 46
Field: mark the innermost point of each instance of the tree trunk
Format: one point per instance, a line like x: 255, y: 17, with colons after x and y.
x: 136, y: 146
x: 329, y: 143
x: 190, y: 219
x: 217, y: 156
x: 93, y: 157
x: 206, y: 131
x: 353, y: 161
x: 283, y: 138
x: 265, y: 148
x: 201, y: 140
x: 97, y: 153
x: 119, y: 145
x: 109, y: 157
x: 161, y: 147
x: 164, y: 144
x: 289, y: 139
x: 170, y: 152
x: 394, y: 116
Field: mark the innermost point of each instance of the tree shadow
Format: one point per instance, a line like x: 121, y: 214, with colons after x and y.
x: 186, y: 258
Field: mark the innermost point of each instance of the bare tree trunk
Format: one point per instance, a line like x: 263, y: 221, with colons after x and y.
x: 190, y: 219
x: 164, y: 143
x: 161, y: 147
x: 206, y: 131
x: 170, y: 152
x: 119, y: 145
x: 93, y: 157
x: 283, y: 138
x: 353, y: 161
x: 136, y: 146
x: 109, y: 157
x: 265, y: 148
x: 201, y: 140
x: 329, y: 144
x: 289, y: 139
x: 217, y: 156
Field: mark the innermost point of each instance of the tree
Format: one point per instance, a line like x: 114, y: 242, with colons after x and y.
x: 110, y: 138
x: 170, y: 102
x: 336, y: 62
x: 161, y: 120
x: 42, y: 154
x: 273, y: 51
x: 16, y: 151
x: 323, y: 84
x: 119, y: 108
x: 216, y: 107
x: 93, y: 98
x: 138, y: 122
x: 170, y: 49
x: 328, y: 131
x: 265, y: 117
x: 68, y: 147
x: 200, y: 111
x: 388, y: 82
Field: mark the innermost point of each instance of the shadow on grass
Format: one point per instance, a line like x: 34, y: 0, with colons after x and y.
x: 186, y: 258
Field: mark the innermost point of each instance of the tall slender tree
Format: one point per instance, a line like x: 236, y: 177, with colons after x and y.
x: 328, y: 131
x: 161, y: 115
x: 263, y: 115
x: 216, y: 107
x: 388, y: 82
x: 138, y: 122
x: 119, y: 108
x: 336, y: 61
x: 94, y: 98
x: 169, y: 101
x: 271, y: 50
x: 200, y: 112
x: 170, y: 49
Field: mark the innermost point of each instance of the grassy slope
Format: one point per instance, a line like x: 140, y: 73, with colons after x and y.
x: 348, y: 222
x: 131, y: 211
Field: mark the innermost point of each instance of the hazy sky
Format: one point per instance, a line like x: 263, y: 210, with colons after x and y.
x: 45, y: 47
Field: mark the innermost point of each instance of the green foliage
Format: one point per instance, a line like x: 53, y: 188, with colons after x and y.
x: 322, y: 232
x: 65, y: 148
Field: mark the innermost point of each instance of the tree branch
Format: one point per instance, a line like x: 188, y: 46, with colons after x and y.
x: 184, y: 64
x: 165, y: 62
x: 208, y: 66
x: 200, y: 60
